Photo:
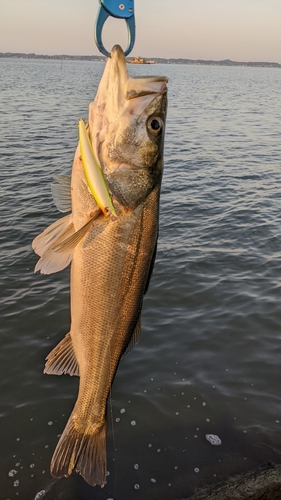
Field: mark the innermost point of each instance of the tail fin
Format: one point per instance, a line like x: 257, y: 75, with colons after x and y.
x: 82, y: 451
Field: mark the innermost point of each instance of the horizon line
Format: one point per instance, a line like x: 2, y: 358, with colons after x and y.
x: 103, y: 57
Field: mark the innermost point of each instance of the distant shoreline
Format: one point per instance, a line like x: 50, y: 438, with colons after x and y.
x: 161, y: 60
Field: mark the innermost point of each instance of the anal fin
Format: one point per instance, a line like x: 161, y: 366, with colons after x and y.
x: 62, y: 359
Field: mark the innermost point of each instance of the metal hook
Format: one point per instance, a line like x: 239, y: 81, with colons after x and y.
x: 120, y: 10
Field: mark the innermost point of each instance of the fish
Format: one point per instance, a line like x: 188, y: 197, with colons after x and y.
x: 111, y: 259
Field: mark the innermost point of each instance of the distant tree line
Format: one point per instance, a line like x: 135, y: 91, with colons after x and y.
x: 225, y: 62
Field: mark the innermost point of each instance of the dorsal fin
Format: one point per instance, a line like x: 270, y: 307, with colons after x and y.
x: 61, y: 192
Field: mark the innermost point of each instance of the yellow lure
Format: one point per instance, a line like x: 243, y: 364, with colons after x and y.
x: 93, y: 173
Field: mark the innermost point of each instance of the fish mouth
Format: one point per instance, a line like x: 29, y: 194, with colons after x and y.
x: 134, y: 87
x: 120, y: 94
x: 133, y: 94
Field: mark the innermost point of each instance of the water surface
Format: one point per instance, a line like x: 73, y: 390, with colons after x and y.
x: 209, y: 356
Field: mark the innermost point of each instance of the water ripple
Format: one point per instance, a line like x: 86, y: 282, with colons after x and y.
x: 208, y: 359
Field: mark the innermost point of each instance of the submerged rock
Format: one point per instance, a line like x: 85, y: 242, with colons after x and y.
x: 261, y: 484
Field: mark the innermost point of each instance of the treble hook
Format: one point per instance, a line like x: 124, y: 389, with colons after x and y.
x: 116, y: 8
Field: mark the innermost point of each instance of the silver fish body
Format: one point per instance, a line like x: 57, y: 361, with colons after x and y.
x: 111, y: 261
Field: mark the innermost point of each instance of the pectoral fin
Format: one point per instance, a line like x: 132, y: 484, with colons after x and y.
x: 57, y: 243
x: 56, y: 232
x: 70, y: 243
x: 43, y: 245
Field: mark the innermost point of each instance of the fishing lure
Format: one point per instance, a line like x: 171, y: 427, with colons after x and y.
x: 94, y: 174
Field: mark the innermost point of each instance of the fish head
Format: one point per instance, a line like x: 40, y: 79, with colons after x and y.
x: 127, y: 126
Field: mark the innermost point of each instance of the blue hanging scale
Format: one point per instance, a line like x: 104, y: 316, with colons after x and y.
x: 118, y: 9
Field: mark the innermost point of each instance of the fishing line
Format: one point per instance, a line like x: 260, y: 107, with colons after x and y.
x: 114, y: 443
x: 113, y: 434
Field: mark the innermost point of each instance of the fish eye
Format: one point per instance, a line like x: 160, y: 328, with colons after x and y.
x: 154, y: 125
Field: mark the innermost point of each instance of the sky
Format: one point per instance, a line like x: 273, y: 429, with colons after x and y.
x: 241, y: 30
